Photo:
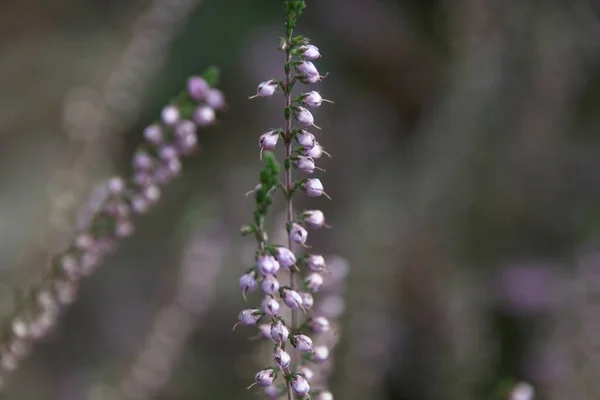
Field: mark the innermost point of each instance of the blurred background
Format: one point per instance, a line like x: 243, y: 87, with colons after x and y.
x: 464, y: 178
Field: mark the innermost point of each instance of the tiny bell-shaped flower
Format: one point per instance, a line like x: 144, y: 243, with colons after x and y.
x: 314, y: 282
x: 305, y: 117
x: 264, y: 331
x: 270, y: 306
x: 313, y: 99
x: 291, y: 298
x: 314, y: 218
x: 266, y: 89
x: 279, y: 332
x: 307, y: 300
x: 307, y: 69
x: 302, y: 342
x: 319, y: 324
x: 309, y: 52
x: 269, y: 285
x: 316, y: 151
x: 314, y: 188
x: 153, y: 133
x: 298, y: 234
x: 316, y: 263
x: 300, y: 385
x: 204, y: 116
x: 248, y: 283
x: 320, y: 354
x: 305, y: 139
x: 322, y: 395
x: 305, y: 164
x: 268, y: 141
x: 170, y: 115
x: 197, y: 88
x: 305, y: 372
x: 264, y: 378
x: 248, y: 317
x: 267, y: 264
x: 285, y: 257
x: 282, y: 358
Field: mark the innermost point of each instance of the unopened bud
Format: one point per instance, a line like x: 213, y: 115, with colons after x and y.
x: 279, y: 332
x: 298, y: 234
x: 248, y: 282
x: 305, y: 117
x: 266, y: 89
x: 282, y: 358
x: 154, y: 134
x: 316, y: 151
x: 268, y: 140
x: 319, y: 324
x: 316, y: 263
x: 320, y: 354
x: 265, y: 377
x: 269, y: 285
x: 285, y: 257
x: 300, y: 385
x: 313, y: 99
x: 305, y: 372
x: 249, y: 317
x: 305, y: 139
x: 307, y: 300
x: 267, y: 264
x: 313, y: 188
x: 314, y: 282
x: 314, y: 218
x: 197, y: 88
x: 170, y: 115
x: 309, y: 52
x: 305, y: 164
x: 291, y: 298
x: 307, y: 69
x: 116, y: 185
x: 204, y: 116
x: 216, y: 99
x: 270, y: 306
x: 302, y: 342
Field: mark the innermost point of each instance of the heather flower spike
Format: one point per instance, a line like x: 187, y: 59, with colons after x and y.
x: 276, y: 259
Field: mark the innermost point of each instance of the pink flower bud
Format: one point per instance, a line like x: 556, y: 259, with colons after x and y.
x: 305, y: 117
x: 265, y: 331
x: 307, y: 300
x: 167, y: 153
x: 142, y: 160
x: 291, y: 298
x: 314, y: 218
x: 270, y: 306
x: 116, y: 185
x: 305, y: 139
x: 298, y: 234
x: 312, y: 99
x: 184, y: 129
x: 151, y: 193
x: 309, y: 52
x: 248, y: 282
x: 204, y: 116
x: 307, y: 69
x: 197, y: 88
x: 302, y: 342
x: 154, y: 134
x: 313, y: 187
x: 269, y: 285
x: 266, y: 89
x: 306, y: 372
x: 319, y: 324
x: 315, y: 152
x: 300, y: 385
x: 314, y: 282
x: 216, y: 99
x: 282, y: 358
x: 285, y: 257
x: 305, y: 164
x: 170, y: 115
x: 316, y: 263
x: 320, y: 354
x: 267, y: 264
x: 265, y: 377
x: 268, y: 140
x: 279, y: 332
x: 249, y: 316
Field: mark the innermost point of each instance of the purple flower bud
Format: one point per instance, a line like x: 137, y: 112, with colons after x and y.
x: 154, y: 134
x: 300, y: 385
x: 285, y: 257
x: 142, y: 160
x: 291, y: 298
x: 279, y: 332
x: 302, y: 342
x: 305, y: 139
x: 305, y: 164
x: 167, y: 153
x: 248, y: 283
x: 170, y: 115
x: 307, y: 69
x: 306, y: 372
x: 265, y: 331
x: 197, y: 88
x: 319, y: 324
x: 151, y: 193
x: 322, y: 395
x: 272, y: 392
x: 184, y: 129
x: 316, y: 263
x: 124, y: 229
x: 267, y: 264
x: 304, y: 116
x: 307, y: 300
x: 315, y: 152
x: 116, y: 185
x: 313, y: 187
x: 320, y: 354
x: 282, y: 358
x: 268, y: 140
x: 249, y: 316
x: 313, y: 282
x: 309, y: 52
x: 270, y: 306
x: 265, y: 377
x: 314, y: 218
x: 266, y: 89
x: 204, y: 116
x: 269, y: 285
x: 216, y: 99
x: 298, y: 234
x: 312, y: 99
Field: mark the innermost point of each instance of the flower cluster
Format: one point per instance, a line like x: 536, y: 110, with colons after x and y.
x: 292, y: 343
x: 155, y: 163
